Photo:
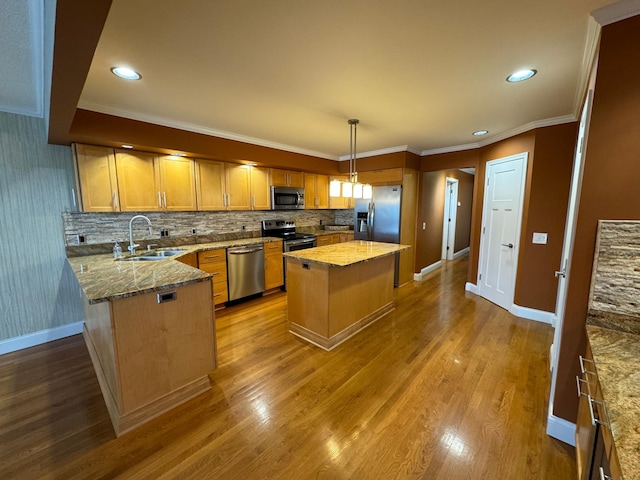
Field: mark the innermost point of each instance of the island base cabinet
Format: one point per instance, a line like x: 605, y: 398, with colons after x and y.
x: 327, y: 304
x: 151, y: 352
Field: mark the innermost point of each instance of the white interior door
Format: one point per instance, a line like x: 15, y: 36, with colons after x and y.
x: 501, y: 220
x: 569, y: 236
x: 449, y: 223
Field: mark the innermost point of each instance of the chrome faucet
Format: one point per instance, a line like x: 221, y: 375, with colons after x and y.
x: 132, y: 246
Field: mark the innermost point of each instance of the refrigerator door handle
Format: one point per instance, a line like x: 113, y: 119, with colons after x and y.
x: 372, y: 220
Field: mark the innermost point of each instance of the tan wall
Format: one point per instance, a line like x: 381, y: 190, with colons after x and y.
x: 550, y: 157
x: 609, y: 186
x: 431, y: 213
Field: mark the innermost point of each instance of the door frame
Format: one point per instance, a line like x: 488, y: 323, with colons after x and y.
x: 449, y: 228
x: 524, y: 156
x: 564, y: 271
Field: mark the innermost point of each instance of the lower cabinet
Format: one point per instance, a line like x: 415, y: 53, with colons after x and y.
x: 595, y: 451
x: 151, y: 352
x: 215, y: 263
x: 322, y: 240
x: 273, y: 265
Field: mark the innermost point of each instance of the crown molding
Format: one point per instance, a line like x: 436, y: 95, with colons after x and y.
x: 383, y: 151
x: 548, y: 122
x: 616, y: 12
x: 199, y: 129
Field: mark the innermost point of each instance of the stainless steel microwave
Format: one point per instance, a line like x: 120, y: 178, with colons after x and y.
x: 287, y: 198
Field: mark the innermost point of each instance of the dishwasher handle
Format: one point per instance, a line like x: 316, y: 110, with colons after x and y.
x: 244, y: 251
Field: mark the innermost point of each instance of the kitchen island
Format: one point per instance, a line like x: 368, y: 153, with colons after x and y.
x: 337, y: 290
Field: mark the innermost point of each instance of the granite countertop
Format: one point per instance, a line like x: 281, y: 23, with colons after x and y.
x: 319, y: 231
x: 103, y: 278
x: 615, y: 344
x: 347, y: 253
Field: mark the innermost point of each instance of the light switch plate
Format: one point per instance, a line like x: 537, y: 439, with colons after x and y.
x: 540, y: 238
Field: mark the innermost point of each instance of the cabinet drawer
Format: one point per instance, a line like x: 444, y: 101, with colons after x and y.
x: 212, y: 256
x: 218, y: 270
x: 272, y: 247
x: 220, y: 293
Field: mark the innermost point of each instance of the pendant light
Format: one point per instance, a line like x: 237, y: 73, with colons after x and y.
x: 353, y: 188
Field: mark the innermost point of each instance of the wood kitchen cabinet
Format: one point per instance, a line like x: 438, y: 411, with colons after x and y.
x: 260, y: 189
x: 222, y: 185
x: 175, y: 179
x: 215, y: 263
x: 386, y: 176
x: 322, y: 240
x: 96, y: 178
x: 340, y: 202
x: 595, y: 448
x: 286, y: 178
x: 147, y: 182
x: 316, y: 191
x: 273, y: 265
x: 151, y: 352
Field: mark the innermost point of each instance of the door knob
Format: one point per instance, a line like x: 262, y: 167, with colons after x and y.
x: 562, y: 273
x: 510, y: 245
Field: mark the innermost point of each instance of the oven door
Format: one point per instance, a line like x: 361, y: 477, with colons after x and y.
x: 287, y: 198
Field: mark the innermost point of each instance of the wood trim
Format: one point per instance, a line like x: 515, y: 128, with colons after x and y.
x: 129, y: 421
x: 344, y: 335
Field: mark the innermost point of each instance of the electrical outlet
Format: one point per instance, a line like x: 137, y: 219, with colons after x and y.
x: 244, y: 227
x: 539, y: 238
x: 193, y: 231
x: 81, y: 239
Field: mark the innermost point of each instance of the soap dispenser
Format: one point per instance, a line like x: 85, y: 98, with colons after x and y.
x: 117, y: 250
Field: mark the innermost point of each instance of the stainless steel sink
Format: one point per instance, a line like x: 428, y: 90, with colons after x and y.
x: 155, y: 255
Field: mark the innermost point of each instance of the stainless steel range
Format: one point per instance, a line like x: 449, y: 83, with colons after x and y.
x: 286, y: 229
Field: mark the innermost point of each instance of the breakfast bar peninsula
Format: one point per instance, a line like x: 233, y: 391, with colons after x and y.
x: 336, y: 290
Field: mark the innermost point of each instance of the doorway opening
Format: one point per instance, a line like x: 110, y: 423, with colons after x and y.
x: 450, y: 218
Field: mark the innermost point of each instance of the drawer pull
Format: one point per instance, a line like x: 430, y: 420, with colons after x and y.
x: 603, y: 476
x: 595, y: 420
x: 583, y: 369
x: 578, y: 382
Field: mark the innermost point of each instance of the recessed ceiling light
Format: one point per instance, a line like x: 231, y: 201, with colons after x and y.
x: 479, y: 133
x: 126, y: 73
x: 179, y: 154
x: 521, y: 75
x: 127, y: 146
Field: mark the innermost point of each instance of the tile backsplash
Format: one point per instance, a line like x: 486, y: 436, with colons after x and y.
x: 106, y: 228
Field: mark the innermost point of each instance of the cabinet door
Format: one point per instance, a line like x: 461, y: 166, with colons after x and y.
x: 322, y: 191
x: 137, y: 184
x: 97, y: 180
x: 260, y: 191
x: 273, y: 265
x: 210, y: 185
x: 339, y: 202
x: 322, y: 240
x: 387, y: 176
x: 310, y: 198
x: 177, y: 177
x: 296, y: 179
x: 238, y: 186
x: 279, y: 178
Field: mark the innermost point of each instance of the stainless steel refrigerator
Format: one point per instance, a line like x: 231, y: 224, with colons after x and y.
x: 378, y: 219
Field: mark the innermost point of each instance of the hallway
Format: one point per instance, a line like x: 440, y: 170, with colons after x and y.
x: 446, y: 386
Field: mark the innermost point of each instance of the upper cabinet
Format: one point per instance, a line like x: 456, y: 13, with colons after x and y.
x: 316, y: 190
x: 177, y: 182
x: 286, y: 178
x: 260, y: 191
x: 340, y: 202
x: 387, y: 176
x: 230, y: 186
x: 147, y: 182
x: 96, y: 178
x: 137, y: 181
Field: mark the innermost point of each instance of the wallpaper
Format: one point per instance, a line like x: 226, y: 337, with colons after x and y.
x: 37, y: 288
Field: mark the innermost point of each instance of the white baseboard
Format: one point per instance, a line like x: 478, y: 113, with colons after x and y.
x: 461, y: 253
x: 38, y: 338
x: 471, y: 287
x: 427, y: 269
x: 533, y: 314
x: 561, y: 429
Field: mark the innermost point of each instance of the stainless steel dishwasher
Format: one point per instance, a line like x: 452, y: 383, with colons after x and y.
x: 245, y: 267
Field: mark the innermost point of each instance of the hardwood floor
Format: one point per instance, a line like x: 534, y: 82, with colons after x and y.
x: 447, y: 386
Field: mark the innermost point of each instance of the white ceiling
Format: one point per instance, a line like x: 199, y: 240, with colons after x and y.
x: 419, y: 74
